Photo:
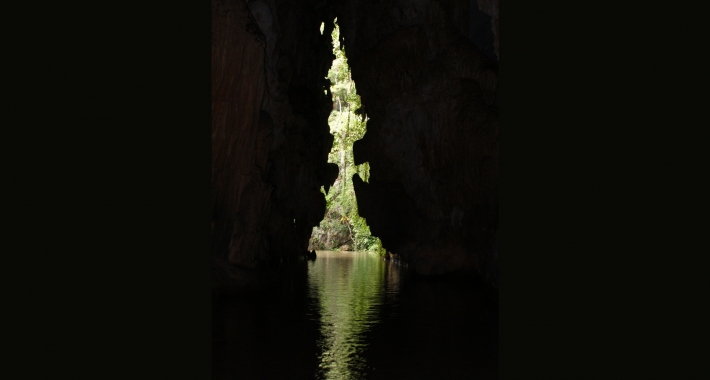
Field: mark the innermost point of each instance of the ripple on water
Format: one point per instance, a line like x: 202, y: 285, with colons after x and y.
x: 351, y: 289
x: 355, y: 316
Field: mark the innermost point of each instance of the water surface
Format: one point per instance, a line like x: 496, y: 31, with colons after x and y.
x: 352, y: 315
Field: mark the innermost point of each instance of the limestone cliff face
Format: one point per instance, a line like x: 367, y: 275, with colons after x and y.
x: 430, y: 90
x: 427, y: 73
x: 270, y: 137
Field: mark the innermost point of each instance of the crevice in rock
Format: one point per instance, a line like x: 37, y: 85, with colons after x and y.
x: 427, y: 75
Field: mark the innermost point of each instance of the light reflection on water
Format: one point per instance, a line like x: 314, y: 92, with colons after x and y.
x: 350, y: 288
x: 351, y: 315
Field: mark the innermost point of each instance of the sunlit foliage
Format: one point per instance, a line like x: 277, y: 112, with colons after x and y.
x: 342, y: 226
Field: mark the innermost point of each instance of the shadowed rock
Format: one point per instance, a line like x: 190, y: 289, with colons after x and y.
x: 427, y: 74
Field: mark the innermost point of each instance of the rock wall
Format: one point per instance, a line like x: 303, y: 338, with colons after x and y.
x: 427, y: 73
x: 270, y: 137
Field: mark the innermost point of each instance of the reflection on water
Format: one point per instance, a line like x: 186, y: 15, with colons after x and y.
x: 350, y: 289
x: 351, y: 315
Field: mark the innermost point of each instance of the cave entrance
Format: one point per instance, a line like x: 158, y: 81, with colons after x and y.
x: 342, y: 228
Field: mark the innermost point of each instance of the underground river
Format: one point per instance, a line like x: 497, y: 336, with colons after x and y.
x: 352, y: 315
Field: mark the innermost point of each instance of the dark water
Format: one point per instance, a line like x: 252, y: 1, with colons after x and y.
x: 352, y: 315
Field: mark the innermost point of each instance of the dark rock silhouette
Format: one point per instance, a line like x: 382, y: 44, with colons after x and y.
x: 427, y: 74
x: 270, y: 137
x: 432, y: 138
x: 311, y: 255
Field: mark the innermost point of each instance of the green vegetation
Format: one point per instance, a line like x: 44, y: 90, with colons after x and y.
x: 343, y: 228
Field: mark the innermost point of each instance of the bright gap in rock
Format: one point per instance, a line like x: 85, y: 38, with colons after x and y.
x: 342, y: 228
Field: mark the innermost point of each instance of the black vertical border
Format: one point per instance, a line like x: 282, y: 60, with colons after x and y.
x: 109, y: 198
x: 603, y: 197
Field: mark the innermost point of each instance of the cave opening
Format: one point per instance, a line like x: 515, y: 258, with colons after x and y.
x: 298, y: 166
x: 342, y: 227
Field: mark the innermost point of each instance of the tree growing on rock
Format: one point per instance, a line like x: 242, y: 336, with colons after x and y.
x: 342, y: 227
